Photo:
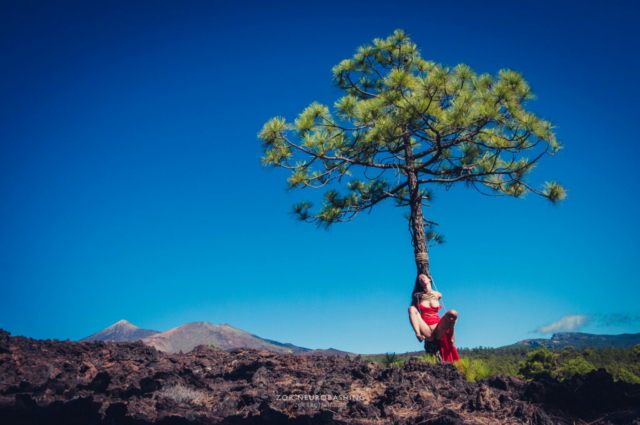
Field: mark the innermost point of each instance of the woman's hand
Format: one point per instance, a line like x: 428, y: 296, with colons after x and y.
x: 420, y: 337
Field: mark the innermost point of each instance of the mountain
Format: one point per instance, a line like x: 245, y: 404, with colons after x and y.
x: 328, y: 352
x: 121, y: 331
x: 582, y: 340
x: 187, y: 337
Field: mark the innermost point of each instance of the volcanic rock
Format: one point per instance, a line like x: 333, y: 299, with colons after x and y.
x: 65, y: 382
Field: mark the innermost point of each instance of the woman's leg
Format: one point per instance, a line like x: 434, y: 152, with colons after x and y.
x: 423, y: 331
x: 447, y: 322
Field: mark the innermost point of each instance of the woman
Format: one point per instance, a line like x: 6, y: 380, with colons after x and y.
x: 426, y: 321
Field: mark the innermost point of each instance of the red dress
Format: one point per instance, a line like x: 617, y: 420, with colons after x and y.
x: 431, y: 317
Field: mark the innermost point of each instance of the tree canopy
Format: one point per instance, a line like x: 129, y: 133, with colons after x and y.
x: 405, y: 125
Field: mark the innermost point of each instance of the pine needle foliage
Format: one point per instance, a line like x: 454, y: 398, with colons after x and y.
x: 392, y: 359
x: 473, y: 369
x: 562, y: 364
x: 404, y: 124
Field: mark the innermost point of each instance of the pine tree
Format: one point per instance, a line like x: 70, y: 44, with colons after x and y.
x: 404, y: 126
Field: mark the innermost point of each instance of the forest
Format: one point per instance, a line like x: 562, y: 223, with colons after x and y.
x: 526, y: 362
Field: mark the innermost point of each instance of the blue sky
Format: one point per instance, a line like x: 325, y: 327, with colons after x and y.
x: 131, y: 185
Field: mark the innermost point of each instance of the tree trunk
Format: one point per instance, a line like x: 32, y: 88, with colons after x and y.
x: 417, y: 226
x: 417, y: 219
x: 419, y: 237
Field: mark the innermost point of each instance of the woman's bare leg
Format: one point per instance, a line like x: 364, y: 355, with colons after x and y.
x: 447, y: 322
x: 423, y: 331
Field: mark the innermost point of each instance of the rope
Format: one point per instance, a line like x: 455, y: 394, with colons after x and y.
x: 422, y: 256
x: 433, y: 283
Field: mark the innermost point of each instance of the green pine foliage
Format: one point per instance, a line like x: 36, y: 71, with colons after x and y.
x: 625, y: 375
x: 538, y: 361
x: 473, y: 369
x: 427, y: 357
x: 561, y: 364
x: 499, y: 360
x: 400, y: 114
x: 390, y: 359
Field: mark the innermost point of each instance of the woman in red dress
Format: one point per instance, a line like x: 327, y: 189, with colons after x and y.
x: 426, y: 321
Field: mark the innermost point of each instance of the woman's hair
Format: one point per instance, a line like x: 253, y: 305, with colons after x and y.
x: 418, y: 290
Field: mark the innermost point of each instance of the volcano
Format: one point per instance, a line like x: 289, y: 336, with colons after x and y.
x: 121, y: 331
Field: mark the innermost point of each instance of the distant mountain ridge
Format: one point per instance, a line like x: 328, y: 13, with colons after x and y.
x: 560, y: 340
x: 188, y: 336
x: 121, y: 331
x: 580, y: 340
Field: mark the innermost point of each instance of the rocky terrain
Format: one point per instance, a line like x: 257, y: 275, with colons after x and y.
x: 64, y: 382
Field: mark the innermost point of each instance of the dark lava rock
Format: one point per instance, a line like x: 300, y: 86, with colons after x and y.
x: 591, y: 396
x: 100, y: 382
x: 65, y: 382
x: 505, y: 383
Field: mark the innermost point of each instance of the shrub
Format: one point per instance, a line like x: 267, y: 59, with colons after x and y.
x: 428, y: 358
x: 392, y: 359
x: 563, y: 364
x: 473, y: 370
x: 541, y: 360
x: 182, y: 394
x: 625, y: 375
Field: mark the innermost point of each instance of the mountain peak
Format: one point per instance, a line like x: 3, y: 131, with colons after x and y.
x: 121, y: 331
x: 122, y: 326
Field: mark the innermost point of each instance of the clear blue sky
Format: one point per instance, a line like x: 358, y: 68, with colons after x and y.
x: 131, y: 186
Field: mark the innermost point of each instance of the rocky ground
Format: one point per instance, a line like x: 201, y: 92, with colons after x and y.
x: 64, y: 382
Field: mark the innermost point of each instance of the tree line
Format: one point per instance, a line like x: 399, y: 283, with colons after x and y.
x: 526, y: 362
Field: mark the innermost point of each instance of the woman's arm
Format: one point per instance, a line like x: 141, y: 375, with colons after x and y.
x: 428, y: 284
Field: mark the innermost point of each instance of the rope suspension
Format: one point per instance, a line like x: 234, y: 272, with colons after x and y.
x: 433, y: 283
